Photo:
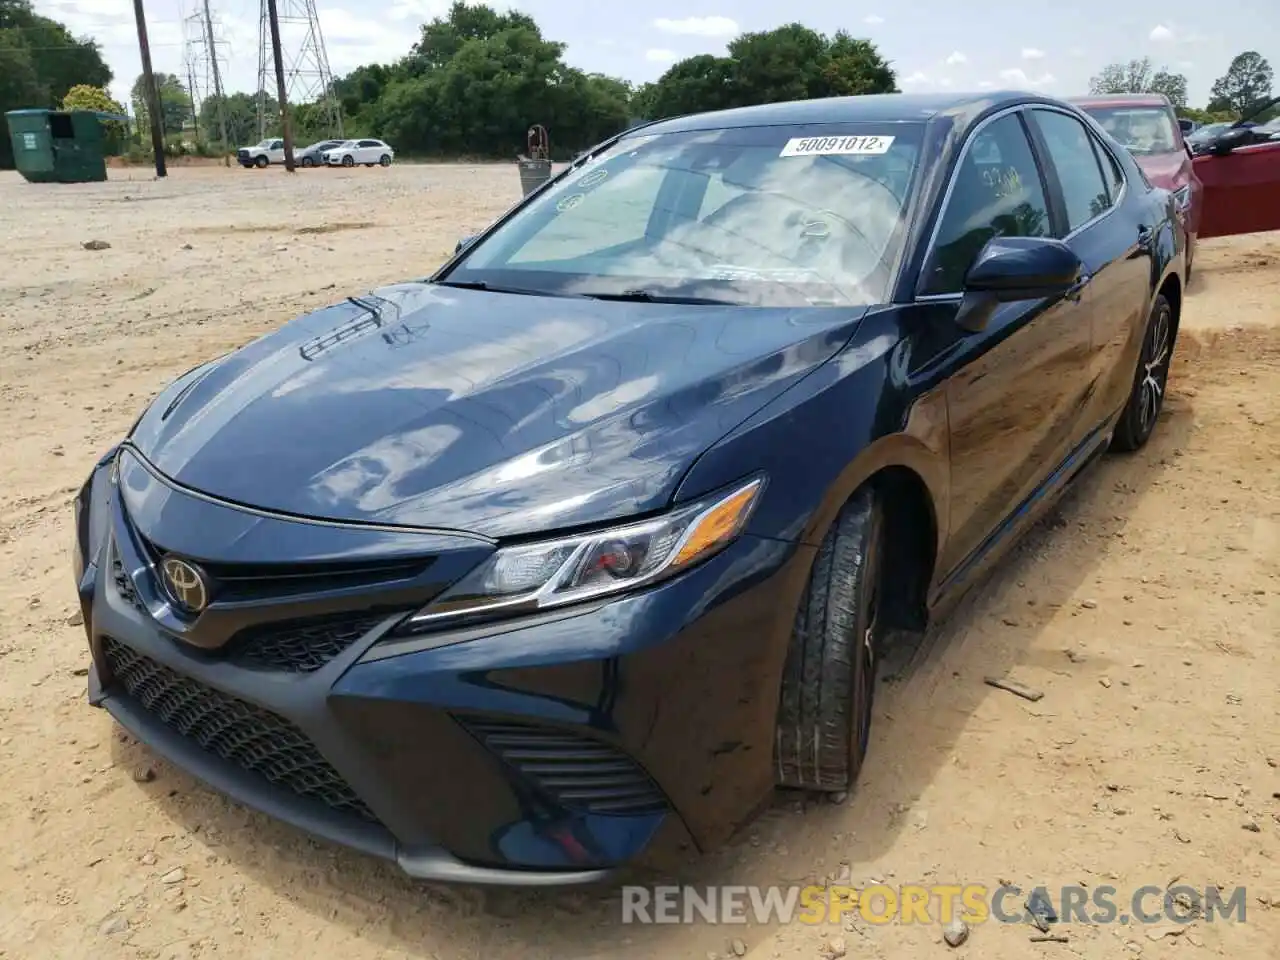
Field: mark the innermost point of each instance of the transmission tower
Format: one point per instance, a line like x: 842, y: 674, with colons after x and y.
x: 308, y: 78
x: 205, y: 62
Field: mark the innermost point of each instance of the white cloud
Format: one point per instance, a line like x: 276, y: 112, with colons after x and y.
x: 660, y: 56
x: 873, y: 19
x: 699, y: 26
x: 1161, y: 34
x: 945, y: 83
x: 916, y: 79
x: 352, y: 40
x: 1078, y: 52
x: 1017, y: 77
x: 985, y: 85
x: 419, y: 11
x: 1032, y: 53
x: 955, y: 58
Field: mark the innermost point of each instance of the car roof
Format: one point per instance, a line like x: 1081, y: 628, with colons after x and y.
x: 881, y: 107
x: 1122, y: 100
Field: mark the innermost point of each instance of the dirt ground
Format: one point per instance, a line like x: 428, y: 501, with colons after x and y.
x: 1147, y: 610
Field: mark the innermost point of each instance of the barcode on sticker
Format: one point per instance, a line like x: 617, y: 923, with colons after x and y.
x: 835, y: 146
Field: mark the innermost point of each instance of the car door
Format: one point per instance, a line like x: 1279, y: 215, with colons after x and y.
x: 1017, y: 386
x: 368, y: 152
x: 275, y: 152
x: 1241, y: 190
x: 1114, y: 247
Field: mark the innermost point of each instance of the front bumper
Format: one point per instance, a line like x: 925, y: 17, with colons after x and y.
x: 542, y: 751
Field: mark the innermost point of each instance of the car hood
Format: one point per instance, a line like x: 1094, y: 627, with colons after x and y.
x: 1167, y: 170
x: 498, y: 414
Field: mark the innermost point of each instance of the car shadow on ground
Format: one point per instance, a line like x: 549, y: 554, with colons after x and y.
x: 930, y: 689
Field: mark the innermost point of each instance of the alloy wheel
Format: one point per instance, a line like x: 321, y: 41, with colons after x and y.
x: 1155, y: 369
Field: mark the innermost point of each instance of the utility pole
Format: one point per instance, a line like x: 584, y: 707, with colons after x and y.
x: 283, y: 93
x: 217, y: 77
x: 153, y: 95
x: 191, y: 98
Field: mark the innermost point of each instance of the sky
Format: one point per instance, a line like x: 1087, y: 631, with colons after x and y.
x: 933, y: 44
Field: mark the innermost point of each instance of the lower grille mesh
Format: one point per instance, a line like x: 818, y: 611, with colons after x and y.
x: 576, y: 771
x: 299, y: 647
x: 246, y: 735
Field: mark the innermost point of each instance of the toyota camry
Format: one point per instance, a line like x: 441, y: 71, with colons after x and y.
x: 594, y: 537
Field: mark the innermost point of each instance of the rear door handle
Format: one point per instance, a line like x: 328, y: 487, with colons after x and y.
x: 1075, y: 291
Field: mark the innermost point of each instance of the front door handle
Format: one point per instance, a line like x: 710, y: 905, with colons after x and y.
x: 1075, y: 291
x: 1145, y: 237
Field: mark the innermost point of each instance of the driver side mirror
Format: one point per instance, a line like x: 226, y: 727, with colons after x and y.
x: 463, y: 244
x: 1228, y: 140
x: 1016, y: 268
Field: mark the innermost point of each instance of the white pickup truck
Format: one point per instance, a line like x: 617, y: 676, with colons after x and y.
x: 267, y: 152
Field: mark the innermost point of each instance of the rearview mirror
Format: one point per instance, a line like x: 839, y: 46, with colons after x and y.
x: 1016, y: 268
x: 1228, y: 140
x: 463, y: 243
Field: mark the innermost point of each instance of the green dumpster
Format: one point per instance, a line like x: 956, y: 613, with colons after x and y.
x: 59, y: 146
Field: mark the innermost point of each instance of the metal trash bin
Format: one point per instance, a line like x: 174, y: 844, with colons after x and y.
x: 533, y: 174
x: 59, y: 146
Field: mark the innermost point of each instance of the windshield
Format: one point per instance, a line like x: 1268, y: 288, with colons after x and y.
x: 777, y: 216
x: 1141, y: 129
x: 1207, y: 131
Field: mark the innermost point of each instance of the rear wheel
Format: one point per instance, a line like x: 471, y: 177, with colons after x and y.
x: 385, y: 160
x: 824, y: 712
x: 1146, y: 399
x: 308, y: 162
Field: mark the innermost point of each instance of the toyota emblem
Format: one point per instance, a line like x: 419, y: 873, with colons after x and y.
x: 185, y: 583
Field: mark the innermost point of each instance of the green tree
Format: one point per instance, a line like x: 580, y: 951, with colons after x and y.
x: 1244, y: 86
x: 241, y: 115
x: 473, y: 85
x: 1139, y: 76
x: 175, y: 103
x: 791, y: 62
x: 40, y: 61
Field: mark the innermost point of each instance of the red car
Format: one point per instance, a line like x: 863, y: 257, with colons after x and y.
x: 1232, y: 187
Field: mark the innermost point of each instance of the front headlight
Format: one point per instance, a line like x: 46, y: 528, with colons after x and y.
x: 526, y: 578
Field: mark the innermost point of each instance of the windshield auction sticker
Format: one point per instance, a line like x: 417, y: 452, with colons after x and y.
x: 836, y: 146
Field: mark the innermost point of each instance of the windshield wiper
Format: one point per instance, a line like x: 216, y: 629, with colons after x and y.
x: 493, y: 288
x: 645, y: 296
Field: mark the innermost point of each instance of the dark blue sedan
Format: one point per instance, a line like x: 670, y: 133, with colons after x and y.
x: 592, y: 539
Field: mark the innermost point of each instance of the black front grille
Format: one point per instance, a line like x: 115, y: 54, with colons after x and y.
x: 577, y: 772
x: 237, y: 582
x: 255, y: 739
x: 123, y: 582
x: 301, y: 646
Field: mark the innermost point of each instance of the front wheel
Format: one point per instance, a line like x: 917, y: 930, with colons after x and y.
x: 261, y: 162
x: 824, y: 712
x: 1146, y: 399
x: 385, y: 160
x: 348, y: 161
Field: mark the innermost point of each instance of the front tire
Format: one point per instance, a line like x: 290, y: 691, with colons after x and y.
x: 260, y: 162
x: 348, y: 161
x: 824, y: 712
x: 1146, y: 399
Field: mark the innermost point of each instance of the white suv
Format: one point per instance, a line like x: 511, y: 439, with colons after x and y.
x: 351, y: 152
